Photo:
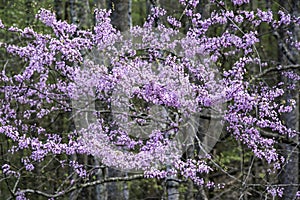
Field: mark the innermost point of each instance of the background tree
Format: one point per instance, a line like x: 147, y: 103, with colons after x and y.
x: 288, y: 56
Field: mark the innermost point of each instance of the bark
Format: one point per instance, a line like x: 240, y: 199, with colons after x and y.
x: 172, y: 189
x: 288, y: 55
x: 129, y: 13
x: 151, y: 4
x: 73, y: 12
x: 100, y: 4
x: 190, y: 191
x: 120, y: 16
x: 121, y: 20
x: 58, y: 6
x: 203, y: 8
x: 100, y: 189
x: 78, y: 12
x: 86, y: 10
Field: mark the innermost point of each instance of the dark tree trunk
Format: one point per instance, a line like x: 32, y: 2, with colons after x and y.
x: 120, y: 16
x: 288, y: 55
x: 121, y: 20
x: 58, y: 8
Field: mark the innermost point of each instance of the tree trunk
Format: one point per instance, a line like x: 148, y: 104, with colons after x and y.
x: 58, y: 8
x: 121, y: 15
x: 172, y: 189
x: 100, y: 4
x: 121, y: 20
x: 287, y: 55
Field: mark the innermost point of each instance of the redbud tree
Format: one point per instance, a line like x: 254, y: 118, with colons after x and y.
x: 135, y: 100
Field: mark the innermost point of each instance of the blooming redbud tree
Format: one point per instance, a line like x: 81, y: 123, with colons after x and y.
x: 136, y: 100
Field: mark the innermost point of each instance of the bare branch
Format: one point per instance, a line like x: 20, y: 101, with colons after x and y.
x: 274, y: 69
x: 84, y: 185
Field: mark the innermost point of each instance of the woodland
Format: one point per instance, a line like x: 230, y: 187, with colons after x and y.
x: 149, y: 99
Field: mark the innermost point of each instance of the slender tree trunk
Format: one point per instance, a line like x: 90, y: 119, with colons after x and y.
x: 100, y: 190
x: 72, y: 13
x: 86, y: 11
x: 288, y: 55
x: 121, y: 20
x: 172, y: 189
x: 129, y: 13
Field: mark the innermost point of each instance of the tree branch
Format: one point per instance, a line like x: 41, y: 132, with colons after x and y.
x: 280, y: 138
x: 272, y: 69
x: 83, y: 185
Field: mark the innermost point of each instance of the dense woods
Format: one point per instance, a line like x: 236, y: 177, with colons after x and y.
x: 248, y: 61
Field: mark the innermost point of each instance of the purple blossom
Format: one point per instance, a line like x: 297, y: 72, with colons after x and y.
x: 174, y: 22
x: 240, y: 2
x: 285, y: 19
x: 265, y: 16
x: 20, y: 195
x: 275, y: 191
